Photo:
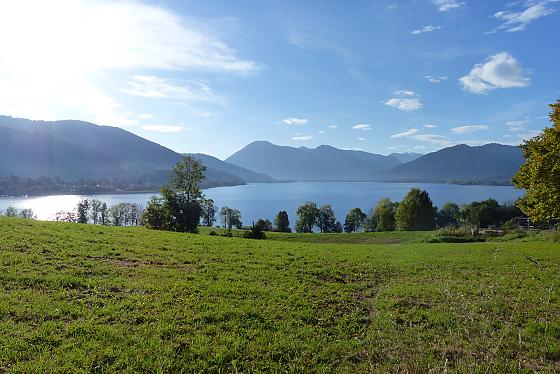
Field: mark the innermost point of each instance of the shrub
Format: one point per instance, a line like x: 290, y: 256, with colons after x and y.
x: 254, y: 233
x: 213, y: 233
x: 227, y: 234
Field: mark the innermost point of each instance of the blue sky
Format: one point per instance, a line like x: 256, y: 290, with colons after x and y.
x: 212, y: 76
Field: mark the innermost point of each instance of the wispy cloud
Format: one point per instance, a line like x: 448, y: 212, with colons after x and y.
x: 302, y: 138
x: 499, y: 71
x: 407, y: 102
x: 430, y: 126
x: 468, y: 129
x: 434, y: 139
x: 362, y: 126
x: 406, y: 134
x: 154, y: 87
x: 435, y: 79
x: 163, y: 128
x: 518, y: 21
x: 333, y: 127
x: 145, y: 116
x: 447, y: 5
x: 516, y: 126
x: 425, y: 29
x: 361, y: 139
x: 134, y: 37
x: 295, y: 121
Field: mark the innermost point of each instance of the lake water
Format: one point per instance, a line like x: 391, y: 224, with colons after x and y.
x: 265, y: 200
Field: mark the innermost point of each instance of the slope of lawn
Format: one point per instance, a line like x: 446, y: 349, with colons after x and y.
x: 84, y: 298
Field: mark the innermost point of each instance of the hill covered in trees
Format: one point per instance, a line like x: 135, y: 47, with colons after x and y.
x: 83, y: 154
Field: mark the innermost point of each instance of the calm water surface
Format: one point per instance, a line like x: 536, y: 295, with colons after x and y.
x: 265, y: 200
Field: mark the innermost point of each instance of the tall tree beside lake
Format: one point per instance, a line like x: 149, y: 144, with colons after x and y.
x: 282, y: 222
x: 326, y: 219
x: 383, y: 217
x: 416, y: 212
x: 308, y: 214
x: 354, y: 220
x: 540, y: 174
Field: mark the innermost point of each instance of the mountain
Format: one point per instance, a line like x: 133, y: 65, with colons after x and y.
x: 80, y: 150
x: 323, y: 163
x: 245, y: 174
x: 407, y: 156
x: 490, y: 163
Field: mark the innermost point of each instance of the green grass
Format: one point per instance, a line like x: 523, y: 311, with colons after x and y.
x: 82, y: 298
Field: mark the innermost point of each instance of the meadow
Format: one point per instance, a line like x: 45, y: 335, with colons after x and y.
x: 85, y: 298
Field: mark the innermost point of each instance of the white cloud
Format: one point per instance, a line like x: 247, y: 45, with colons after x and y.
x: 447, y: 5
x: 361, y: 139
x: 434, y: 139
x: 435, y: 79
x: 333, y: 127
x: 163, y: 128
x: 419, y: 147
x: 362, y: 126
x: 145, y: 116
x: 404, y: 93
x: 468, y: 129
x: 516, y: 126
x: 295, y: 121
x: 56, y: 55
x: 422, y: 30
x: 518, y: 21
x: 430, y: 126
x: 499, y: 71
x: 406, y: 134
x: 303, y: 138
x: 404, y: 104
x: 154, y: 87
x: 320, y: 132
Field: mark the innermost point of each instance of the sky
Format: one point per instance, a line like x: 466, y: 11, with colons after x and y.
x: 212, y: 76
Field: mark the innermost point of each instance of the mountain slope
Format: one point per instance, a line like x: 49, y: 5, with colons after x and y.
x: 82, y: 150
x: 407, y: 156
x: 462, y: 163
x: 245, y: 174
x: 319, y: 164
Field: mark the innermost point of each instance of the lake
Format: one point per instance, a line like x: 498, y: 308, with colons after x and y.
x: 264, y: 200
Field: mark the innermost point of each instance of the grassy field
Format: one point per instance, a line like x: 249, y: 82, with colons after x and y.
x: 83, y: 298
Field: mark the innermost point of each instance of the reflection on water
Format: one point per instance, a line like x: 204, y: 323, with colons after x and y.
x: 265, y: 200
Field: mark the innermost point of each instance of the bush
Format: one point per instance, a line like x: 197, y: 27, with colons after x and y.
x: 213, y: 233
x: 255, y: 233
x: 456, y: 239
x: 227, y: 234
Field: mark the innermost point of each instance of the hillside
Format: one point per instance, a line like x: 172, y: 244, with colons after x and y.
x: 406, y: 157
x: 83, y: 298
x: 81, y: 150
x: 324, y: 163
x: 245, y: 174
x: 462, y: 163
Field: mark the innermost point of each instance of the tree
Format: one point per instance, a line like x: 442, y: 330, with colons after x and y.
x: 264, y: 225
x: 11, y: 212
x: 540, y: 174
x: 384, y: 215
x: 326, y: 219
x: 209, y: 210
x: 354, y: 220
x: 184, y: 215
x: 449, y: 215
x: 230, y: 218
x: 95, y: 209
x: 103, y: 214
x: 307, y: 214
x: 416, y: 211
x: 281, y: 222
x: 186, y: 177
x: 483, y: 213
x: 27, y: 213
x: 82, y: 215
x: 156, y: 216
x: 338, y: 227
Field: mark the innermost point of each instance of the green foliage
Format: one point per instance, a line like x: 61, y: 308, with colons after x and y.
x: 416, y: 212
x: 326, y: 220
x: 449, y: 215
x: 11, y: 212
x: 209, y: 210
x: 157, y: 215
x: 354, y: 220
x: 82, y: 215
x: 264, y: 225
x: 540, y: 175
x: 308, y: 214
x: 230, y: 218
x: 254, y: 233
x: 383, y: 216
x: 281, y: 222
x: 186, y: 177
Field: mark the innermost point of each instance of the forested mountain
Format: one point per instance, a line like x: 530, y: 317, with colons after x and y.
x: 77, y: 150
x: 407, y: 156
x: 305, y: 164
x: 245, y: 174
x: 490, y: 163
